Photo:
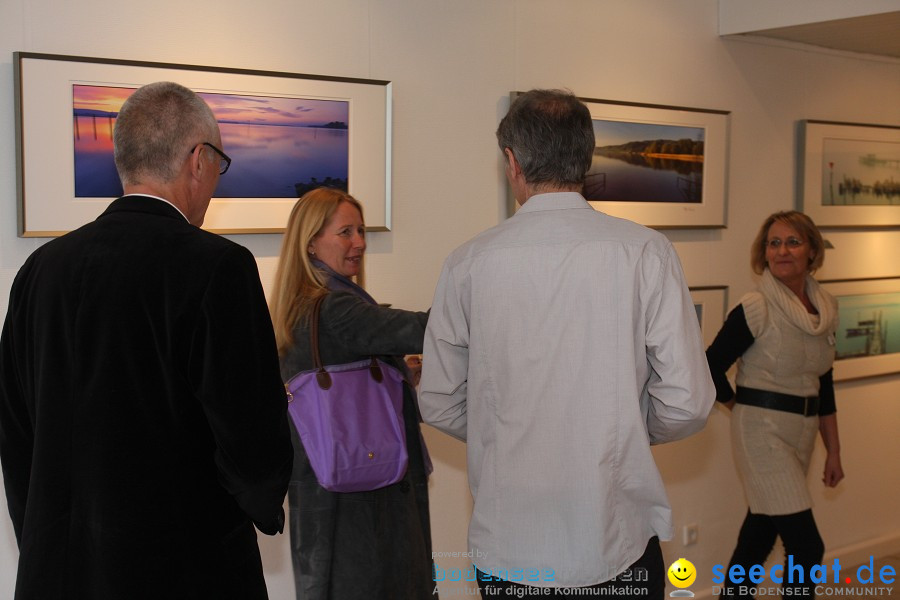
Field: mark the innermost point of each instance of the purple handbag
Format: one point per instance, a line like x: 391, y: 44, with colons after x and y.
x: 350, y: 420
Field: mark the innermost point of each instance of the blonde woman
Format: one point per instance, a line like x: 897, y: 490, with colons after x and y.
x: 365, y: 545
x: 783, y: 335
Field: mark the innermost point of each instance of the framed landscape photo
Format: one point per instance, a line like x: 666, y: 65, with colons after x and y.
x: 661, y: 166
x: 710, y: 302
x: 286, y: 133
x: 850, y: 174
x: 868, y: 339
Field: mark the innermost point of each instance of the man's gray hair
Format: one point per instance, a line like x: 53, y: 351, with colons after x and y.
x: 551, y: 134
x: 156, y: 129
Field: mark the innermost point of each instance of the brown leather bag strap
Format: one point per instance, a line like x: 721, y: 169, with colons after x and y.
x: 314, y: 330
x: 322, y: 376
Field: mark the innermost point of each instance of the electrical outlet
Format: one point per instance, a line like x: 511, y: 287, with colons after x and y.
x: 690, y: 534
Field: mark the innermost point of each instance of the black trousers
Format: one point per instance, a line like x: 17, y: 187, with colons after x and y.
x: 646, y: 581
x: 801, y: 540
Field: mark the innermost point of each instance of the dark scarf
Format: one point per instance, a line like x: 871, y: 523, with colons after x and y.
x: 340, y: 283
x: 335, y: 282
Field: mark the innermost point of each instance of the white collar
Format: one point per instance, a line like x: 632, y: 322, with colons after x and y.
x: 164, y: 200
x: 789, y: 304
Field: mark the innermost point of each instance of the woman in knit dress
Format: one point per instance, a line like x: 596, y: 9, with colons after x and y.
x: 782, y: 336
x: 373, y: 545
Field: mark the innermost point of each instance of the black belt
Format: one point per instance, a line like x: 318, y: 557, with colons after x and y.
x: 777, y: 401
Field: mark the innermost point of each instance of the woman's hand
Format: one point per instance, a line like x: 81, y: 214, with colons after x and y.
x: 414, y: 364
x: 833, y: 470
x: 829, y: 431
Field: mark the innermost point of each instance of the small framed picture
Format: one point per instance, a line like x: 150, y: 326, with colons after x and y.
x: 850, y: 174
x: 710, y: 302
x: 867, y: 342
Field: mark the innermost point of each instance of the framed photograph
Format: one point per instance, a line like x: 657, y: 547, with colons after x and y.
x: 286, y: 133
x: 710, y: 302
x: 660, y: 166
x: 868, y: 338
x: 850, y: 174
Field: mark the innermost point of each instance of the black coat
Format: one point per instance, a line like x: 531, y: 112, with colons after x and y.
x: 364, y: 545
x: 142, y: 417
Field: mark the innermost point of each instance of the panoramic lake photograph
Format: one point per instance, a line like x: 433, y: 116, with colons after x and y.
x: 646, y: 162
x: 860, y: 172
x: 280, y: 147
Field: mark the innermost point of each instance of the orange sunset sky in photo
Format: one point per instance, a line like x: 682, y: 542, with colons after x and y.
x: 229, y: 108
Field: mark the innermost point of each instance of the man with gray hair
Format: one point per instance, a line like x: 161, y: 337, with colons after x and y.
x: 561, y: 344
x: 143, y: 422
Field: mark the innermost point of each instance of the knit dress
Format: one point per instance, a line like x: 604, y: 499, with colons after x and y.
x: 791, y: 352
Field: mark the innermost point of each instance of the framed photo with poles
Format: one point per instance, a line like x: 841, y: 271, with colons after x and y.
x: 867, y: 342
x: 850, y: 174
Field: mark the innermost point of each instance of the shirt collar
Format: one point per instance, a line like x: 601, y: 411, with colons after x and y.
x: 163, y: 200
x: 554, y: 201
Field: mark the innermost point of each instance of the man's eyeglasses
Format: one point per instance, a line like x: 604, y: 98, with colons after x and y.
x: 791, y: 242
x: 224, y: 160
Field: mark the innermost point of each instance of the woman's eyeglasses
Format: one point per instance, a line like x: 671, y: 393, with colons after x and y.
x: 791, y: 242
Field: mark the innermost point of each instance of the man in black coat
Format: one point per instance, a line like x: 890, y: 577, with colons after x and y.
x: 143, y: 422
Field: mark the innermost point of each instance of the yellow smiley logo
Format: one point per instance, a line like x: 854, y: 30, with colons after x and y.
x: 682, y: 573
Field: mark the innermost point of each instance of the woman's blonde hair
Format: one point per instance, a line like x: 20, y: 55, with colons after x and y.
x: 297, y: 281
x: 800, y: 223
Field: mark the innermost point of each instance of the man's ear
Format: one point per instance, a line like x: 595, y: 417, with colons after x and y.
x: 198, y: 161
x: 511, y: 159
x: 514, y: 169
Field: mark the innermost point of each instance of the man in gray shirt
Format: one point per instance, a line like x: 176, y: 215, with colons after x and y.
x: 561, y: 344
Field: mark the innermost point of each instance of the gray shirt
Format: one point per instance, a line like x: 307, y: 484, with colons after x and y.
x: 562, y: 343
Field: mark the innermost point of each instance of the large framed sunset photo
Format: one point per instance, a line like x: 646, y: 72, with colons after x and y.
x: 286, y: 133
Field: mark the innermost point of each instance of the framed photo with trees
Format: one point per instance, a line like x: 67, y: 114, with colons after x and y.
x: 660, y: 166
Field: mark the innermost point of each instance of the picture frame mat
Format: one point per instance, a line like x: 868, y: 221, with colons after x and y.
x: 714, y: 303
x: 47, y: 206
x: 812, y: 135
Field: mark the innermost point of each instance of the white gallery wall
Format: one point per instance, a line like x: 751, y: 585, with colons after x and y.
x: 453, y: 64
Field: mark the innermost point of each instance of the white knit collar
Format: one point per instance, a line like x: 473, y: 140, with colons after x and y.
x: 789, y: 304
